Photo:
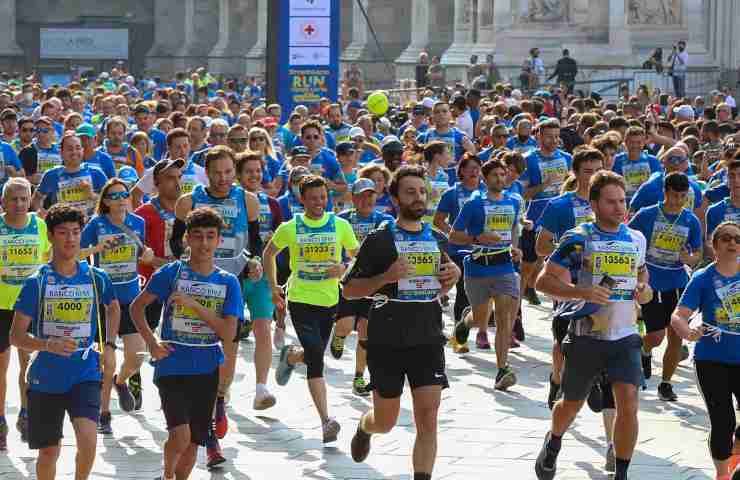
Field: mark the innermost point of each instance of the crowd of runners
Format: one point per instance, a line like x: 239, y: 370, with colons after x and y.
x: 172, y: 221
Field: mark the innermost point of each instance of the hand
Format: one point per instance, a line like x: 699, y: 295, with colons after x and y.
x: 147, y: 256
x: 61, y: 346
x: 255, y: 270
x: 335, y: 271
x: 87, y: 188
x: 448, y: 275
x: 489, y: 238
x: 695, y: 333
x: 36, y: 178
x: 528, y: 225
x: 685, y: 256
x: 107, y: 244
x: 598, y: 295
x: 516, y: 255
x: 398, y: 270
x: 159, y: 350
x: 277, y: 297
x: 643, y: 293
x: 183, y: 300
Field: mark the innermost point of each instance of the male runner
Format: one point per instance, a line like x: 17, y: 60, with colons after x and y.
x: 202, y: 305
x: 490, y: 223
x: 59, y: 305
x: 602, y: 334
x: 457, y: 142
x: 634, y: 164
x: 315, y: 240
x: 404, y: 267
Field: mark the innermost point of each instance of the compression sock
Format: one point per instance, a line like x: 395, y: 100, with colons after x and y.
x: 622, y: 466
x: 422, y: 476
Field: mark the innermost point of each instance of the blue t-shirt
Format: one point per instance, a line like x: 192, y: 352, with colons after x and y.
x: 513, y: 143
x: 481, y: 214
x: 539, y: 167
x: 714, y: 295
x: 636, y: 172
x: 385, y: 205
x: 453, y: 138
x: 718, y: 193
x: 452, y: 200
x: 652, y: 192
x: 720, y: 212
x: 220, y: 290
x: 564, y: 213
x: 325, y: 165
x: 8, y: 158
x: 158, y: 138
x: 68, y: 309
x: 103, y: 161
x: 666, y: 236
x: 62, y: 186
x: 121, y: 262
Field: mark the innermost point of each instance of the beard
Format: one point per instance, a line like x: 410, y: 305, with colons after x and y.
x: 414, y: 211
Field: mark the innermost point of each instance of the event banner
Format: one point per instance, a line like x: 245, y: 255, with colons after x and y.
x: 305, y: 56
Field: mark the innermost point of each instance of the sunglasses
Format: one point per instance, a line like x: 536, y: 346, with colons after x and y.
x: 218, y: 135
x: 117, y: 195
x: 240, y: 140
x: 43, y: 130
x: 728, y: 237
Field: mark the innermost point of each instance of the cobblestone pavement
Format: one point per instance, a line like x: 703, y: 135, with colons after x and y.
x: 483, y: 433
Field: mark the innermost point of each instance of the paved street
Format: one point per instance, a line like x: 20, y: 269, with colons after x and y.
x: 484, y: 434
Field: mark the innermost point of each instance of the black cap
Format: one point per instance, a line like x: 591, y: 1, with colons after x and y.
x: 299, y: 150
x: 163, y: 165
x: 141, y: 108
x: 343, y: 148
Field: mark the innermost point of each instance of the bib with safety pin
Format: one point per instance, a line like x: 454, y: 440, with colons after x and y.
x: 67, y: 311
x: 46, y: 161
x: 555, y: 171
x: 317, y: 249
x: 188, y: 183
x: 187, y: 327
x: 667, y: 241
x: 423, y: 255
x: 618, y: 259
x: 582, y: 211
x: 500, y: 220
x: 265, y: 217
x: 635, y: 174
x: 71, y: 191
x: 20, y: 256
x: 120, y: 261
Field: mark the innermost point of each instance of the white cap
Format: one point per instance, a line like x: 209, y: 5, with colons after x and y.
x: 516, y: 93
x: 355, y: 132
x: 428, y: 102
x: 684, y: 111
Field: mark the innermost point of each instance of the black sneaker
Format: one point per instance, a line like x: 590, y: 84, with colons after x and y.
x: 505, y: 378
x: 666, y: 393
x: 245, y: 330
x: 462, y: 331
x: 104, y: 425
x: 552, y: 396
x: 126, y: 401
x: 647, y: 365
x: 519, y: 326
x: 134, y: 386
x: 360, y: 445
x: 595, y: 397
x: 531, y: 296
x: 545, y: 466
x: 336, y: 345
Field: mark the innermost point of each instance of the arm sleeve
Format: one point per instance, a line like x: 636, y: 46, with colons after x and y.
x: 178, y: 232
x: 255, y: 241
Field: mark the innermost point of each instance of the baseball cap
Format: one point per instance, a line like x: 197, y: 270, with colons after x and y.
x: 163, y: 165
x: 269, y: 122
x: 391, y: 143
x: 428, y: 103
x: 86, y: 130
x: 141, y: 108
x: 128, y: 174
x: 299, y: 151
x: 684, y: 111
x: 344, y: 148
x: 8, y: 114
x: 363, y: 185
x: 355, y: 132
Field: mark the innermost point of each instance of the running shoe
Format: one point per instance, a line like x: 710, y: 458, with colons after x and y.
x: 3, y: 436
x: 462, y: 331
x: 647, y: 365
x: 336, y: 345
x: 514, y: 343
x: 359, y: 387
x: 666, y: 393
x: 519, y: 327
x: 330, y: 429
x: 360, y: 445
x: 595, y: 397
x: 134, y: 386
x: 611, y: 460
x: 458, y: 348
x: 245, y: 330
x: 284, y: 370
x: 278, y: 338
x: 481, y: 341
x: 684, y: 352
x: 222, y: 422
x: 126, y: 400
x: 104, y: 424
x: 552, y: 395
x: 546, y: 464
x: 531, y: 296
x: 505, y: 378
x: 264, y: 401
x: 214, y: 455
x: 22, y: 426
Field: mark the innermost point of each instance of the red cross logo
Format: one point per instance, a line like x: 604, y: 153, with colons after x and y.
x: 309, y: 30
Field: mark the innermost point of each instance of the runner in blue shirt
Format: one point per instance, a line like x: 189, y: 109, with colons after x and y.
x: 727, y: 210
x: 674, y: 242
x: 10, y: 165
x: 202, y: 307
x: 144, y: 119
x: 715, y: 292
x: 634, y: 164
x: 90, y: 155
x: 57, y: 314
x: 522, y: 141
x: 456, y: 141
x: 323, y: 161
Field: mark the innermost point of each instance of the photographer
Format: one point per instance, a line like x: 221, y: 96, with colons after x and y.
x: 679, y: 61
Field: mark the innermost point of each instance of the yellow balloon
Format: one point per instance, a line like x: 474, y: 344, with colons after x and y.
x: 377, y: 103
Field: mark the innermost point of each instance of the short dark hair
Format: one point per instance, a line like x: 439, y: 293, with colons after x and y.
x: 433, y: 148
x: 312, y: 181
x: 602, y: 179
x: 467, y: 158
x: 244, y: 157
x: 218, y: 152
x: 516, y: 160
x: 634, y: 132
x: 402, y: 172
x: 204, y: 217
x: 491, y: 165
x: 586, y: 154
x: 618, y: 122
x: 549, y: 123
x: 66, y: 136
x: 60, y: 213
x: 312, y: 124
x: 677, y: 181
x: 176, y: 133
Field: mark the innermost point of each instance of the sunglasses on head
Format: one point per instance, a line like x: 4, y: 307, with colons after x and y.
x: 728, y: 237
x: 117, y: 195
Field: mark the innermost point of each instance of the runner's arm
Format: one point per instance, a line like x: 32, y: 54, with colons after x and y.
x: 138, y: 316
x: 544, y: 245
x: 113, y: 321
x: 440, y: 221
x: 19, y: 336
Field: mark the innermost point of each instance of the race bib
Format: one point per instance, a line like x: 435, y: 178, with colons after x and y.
x: 425, y: 258
x: 619, y: 261
x: 583, y: 214
x: 67, y: 311
x: 729, y: 296
x: 635, y: 175
x: 47, y: 161
x: 666, y: 243
x: 554, y: 171
x: 187, y: 184
x: 316, y: 253
x: 500, y: 220
x: 120, y: 261
x: 265, y: 220
x: 71, y: 191
x: 185, y: 321
x: 362, y: 230
x: 20, y: 256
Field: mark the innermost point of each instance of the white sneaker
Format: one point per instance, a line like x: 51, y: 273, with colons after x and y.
x: 264, y: 400
x: 278, y: 338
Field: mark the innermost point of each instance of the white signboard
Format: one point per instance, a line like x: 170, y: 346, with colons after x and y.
x: 84, y: 43
x: 310, y: 8
x: 303, y: 56
x: 310, y: 32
